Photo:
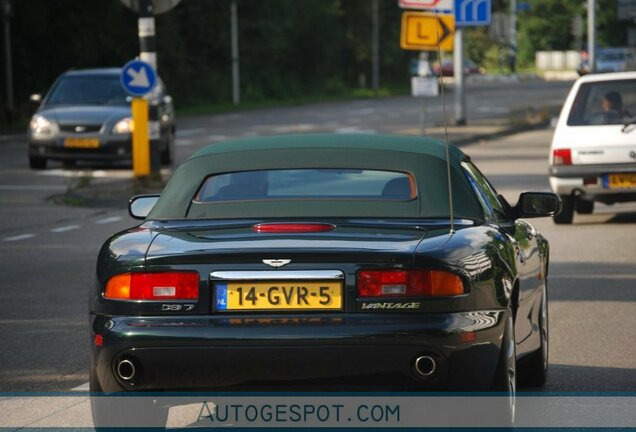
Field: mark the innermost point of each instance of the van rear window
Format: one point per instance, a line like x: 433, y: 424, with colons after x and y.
x: 604, y: 103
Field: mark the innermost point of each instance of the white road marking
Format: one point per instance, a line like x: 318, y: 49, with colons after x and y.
x: 114, y: 173
x: 81, y: 387
x: 215, y: 138
x: 18, y: 237
x: 65, y: 228
x: 32, y: 187
x: 303, y: 127
x: 184, y: 142
x: 108, y: 220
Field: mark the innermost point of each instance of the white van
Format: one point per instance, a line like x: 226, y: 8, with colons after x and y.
x: 593, y: 153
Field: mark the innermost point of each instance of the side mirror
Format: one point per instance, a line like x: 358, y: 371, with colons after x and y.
x: 139, y: 207
x: 538, y: 204
x: 35, y: 98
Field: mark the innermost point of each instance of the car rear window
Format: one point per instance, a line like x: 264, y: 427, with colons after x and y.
x: 603, y: 103
x: 308, y: 184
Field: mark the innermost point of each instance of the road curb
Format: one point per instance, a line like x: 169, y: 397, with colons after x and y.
x: 499, y: 134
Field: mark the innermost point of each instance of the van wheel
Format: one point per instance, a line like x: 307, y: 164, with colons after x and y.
x: 584, y: 206
x: 567, y: 211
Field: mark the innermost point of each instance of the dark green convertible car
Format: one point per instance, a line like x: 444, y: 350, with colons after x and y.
x: 311, y: 258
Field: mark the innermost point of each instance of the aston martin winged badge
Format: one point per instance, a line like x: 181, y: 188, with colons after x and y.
x: 276, y: 262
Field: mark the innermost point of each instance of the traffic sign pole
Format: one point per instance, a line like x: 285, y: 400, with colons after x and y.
x: 458, y: 73
x: 147, y: 44
x: 140, y: 149
x: 139, y: 79
x: 512, y: 55
x: 416, y: 34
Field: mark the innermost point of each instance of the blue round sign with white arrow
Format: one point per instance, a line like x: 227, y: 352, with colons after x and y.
x: 138, y: 78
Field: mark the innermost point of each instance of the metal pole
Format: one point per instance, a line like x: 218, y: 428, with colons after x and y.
x: 236, y: 87
x: 512, y: 55
x: 423, y: 57
x: 458, y: 72
x: 376, y: 44
x: 10, y: 108
x: 423, y: 116
x: 591, y: 34
x: 148, y: 54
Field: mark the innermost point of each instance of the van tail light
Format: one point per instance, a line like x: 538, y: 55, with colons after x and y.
x: 562, y: 157
x: 153, y: 286
x: 409, y: 283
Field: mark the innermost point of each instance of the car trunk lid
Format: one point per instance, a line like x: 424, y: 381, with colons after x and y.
x: 234, y: 244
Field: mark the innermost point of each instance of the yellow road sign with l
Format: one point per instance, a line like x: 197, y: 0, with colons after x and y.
x: 423, y: 31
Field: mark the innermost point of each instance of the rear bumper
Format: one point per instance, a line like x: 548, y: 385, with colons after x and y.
x: 195, y: 354
x: 574, y: 171
x: 571, y: 179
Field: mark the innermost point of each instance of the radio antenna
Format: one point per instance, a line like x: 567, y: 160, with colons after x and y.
x: 448, y: 166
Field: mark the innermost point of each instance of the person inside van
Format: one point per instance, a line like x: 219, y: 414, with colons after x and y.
x: 613, y: 110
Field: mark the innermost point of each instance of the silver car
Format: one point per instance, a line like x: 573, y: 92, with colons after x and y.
x: 86, y: 116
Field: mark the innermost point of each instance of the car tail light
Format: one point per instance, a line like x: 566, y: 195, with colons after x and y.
x: 409, y: 283
x: 153, y: 286
x: 562, y: 157
x: 292, y: 227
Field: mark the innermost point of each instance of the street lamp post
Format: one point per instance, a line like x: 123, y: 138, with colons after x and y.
x: 10, y: 108
x: 375, y: 76
x: 236, y: 88
x: 591, y: 34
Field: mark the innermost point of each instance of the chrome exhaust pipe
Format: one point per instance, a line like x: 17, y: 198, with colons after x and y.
x: 126, y: 370
x: 425, y: 366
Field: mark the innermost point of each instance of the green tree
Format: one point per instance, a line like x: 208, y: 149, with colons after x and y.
x: 546, y: 26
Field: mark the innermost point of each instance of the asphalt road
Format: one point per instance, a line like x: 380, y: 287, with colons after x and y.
x: 487, y: 103
x: 48, y: 251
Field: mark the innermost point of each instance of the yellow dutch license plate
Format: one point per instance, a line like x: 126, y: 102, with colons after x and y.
x: 616, y: 181
x: 81, y: 143
x: 279, y: 295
